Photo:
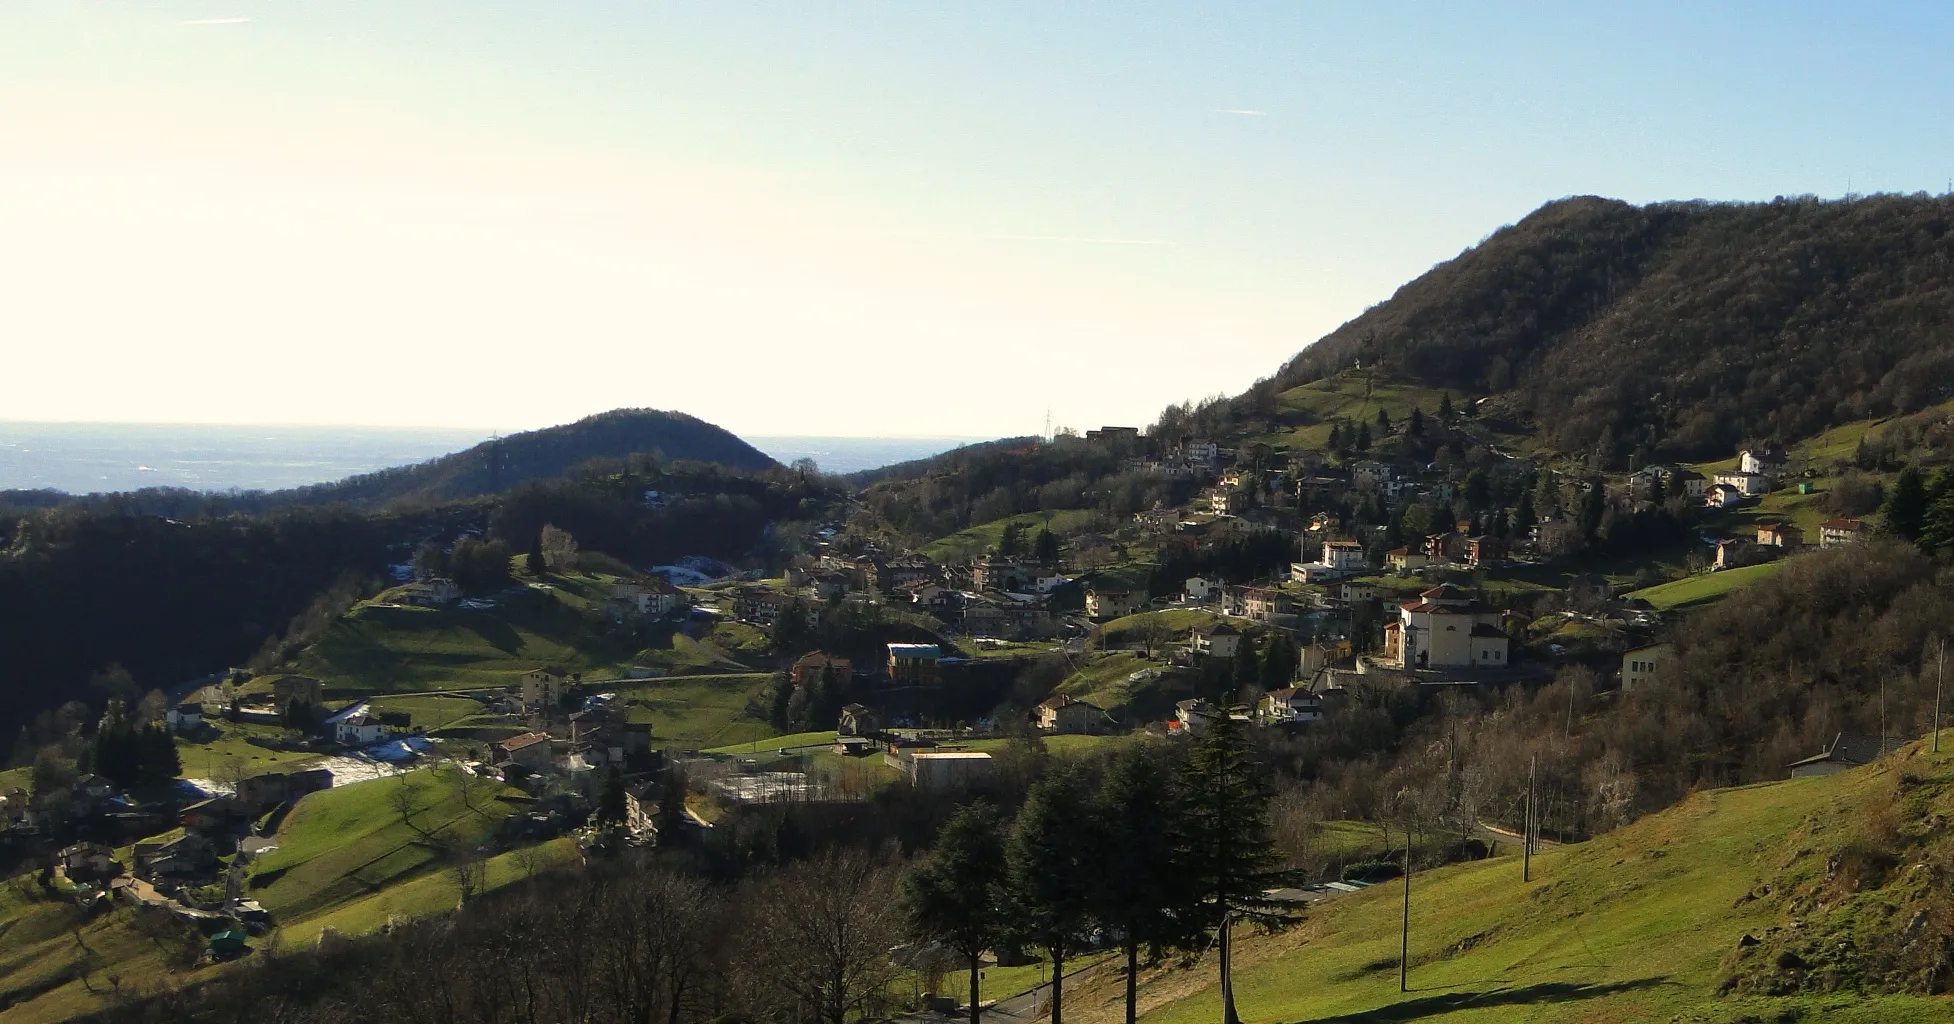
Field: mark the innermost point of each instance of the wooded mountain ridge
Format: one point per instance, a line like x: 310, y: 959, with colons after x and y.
x: 1675, y: 330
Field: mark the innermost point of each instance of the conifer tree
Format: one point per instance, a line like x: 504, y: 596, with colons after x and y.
x: 610, y: 803
x: 1906, y: 505
x: 1143, y: 897
x: 1445, y: 407
x: 1052, y: 866
x: 955, y: 894
x: 1231, y: 860
x: 1045, y: 547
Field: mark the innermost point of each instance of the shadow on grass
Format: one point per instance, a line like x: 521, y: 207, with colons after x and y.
x: 1451, y: 1002
x: 497, y: 633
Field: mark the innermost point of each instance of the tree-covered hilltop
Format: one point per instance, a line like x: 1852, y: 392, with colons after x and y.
x: 1675, y: 330
x: 498, y: 465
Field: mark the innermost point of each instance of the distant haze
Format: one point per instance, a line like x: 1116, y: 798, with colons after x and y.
x: 82, y: 458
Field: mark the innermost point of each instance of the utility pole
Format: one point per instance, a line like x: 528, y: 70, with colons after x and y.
x: 1882, y: 716
x: 1940, y: 662
x: 1404, y: 933
x: 1526, y: 831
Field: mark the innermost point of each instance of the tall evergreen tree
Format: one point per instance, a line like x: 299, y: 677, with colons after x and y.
x: 1279, y: 661
x: 1143, y: 897
x: 1011, y: 541
x: 1045, y: 546
x: 955, y: 895
x: 1906, y: 505
x: 1445, y: 407
x: 1053, y: 864
x: 1231, y: 860
x: 534, y: 561
x: 1245, y: 672
x: 1523, y: 518
x: 610, y: 803
x: 1383, y: 422
x: 1937, y: 525
x: 1416, y: 428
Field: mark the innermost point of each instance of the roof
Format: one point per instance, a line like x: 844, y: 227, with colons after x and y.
x: 527, y: 739
x: 1489, y: 632
x: 1847, y: 748
x: 1061, y: 700
x: 1444, y: 592
x: 953, y: 755
x: 1842, y: 524
x: 1343, y: 544
x: 914, y: 651
x: 1221, y: 629
x: 856, y: 709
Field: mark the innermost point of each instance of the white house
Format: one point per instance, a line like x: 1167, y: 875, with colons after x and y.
x: 184, y: 717
x: 1750, y: 485
x: 1203, y: 588
x: 1446, y: 628
x: 1840, y: 531
x: 1723, y: 496
x: 1763, y: 461
x: 1112, y: 604
x: 1217, y: 641
x: 1292, y: 704
x: 1344, y: 555
x: 360, y: 729
x: 1689, y: 482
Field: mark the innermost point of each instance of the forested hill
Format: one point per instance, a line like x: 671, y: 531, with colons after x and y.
x: 496, y: 466
x: 1677, y: 330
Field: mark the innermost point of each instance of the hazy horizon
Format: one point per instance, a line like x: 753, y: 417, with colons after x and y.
x: 83, y: 458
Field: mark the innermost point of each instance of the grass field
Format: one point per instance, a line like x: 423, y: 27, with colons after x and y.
x: 772, y: 743
x: 1313, y: 406
x: 344, y: 844
x: 346, y: 861
x: 699, y: 712
x: 1633, y: 926
x: 1704, y: 588
x: 973, y: 541
x: 214, y: 758
x: 377, y: 649
x: 1106, y: 679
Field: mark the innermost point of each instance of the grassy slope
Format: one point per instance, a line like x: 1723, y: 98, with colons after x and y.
x: 1705, y: 588
x: 1635, y: 925
x: 696, y: 712
x: 345, y: 862
x: 379, y: 649
x: 1342, y: 397
x: 208, y: 758
x: 344, y: 844
x: 968, y: 543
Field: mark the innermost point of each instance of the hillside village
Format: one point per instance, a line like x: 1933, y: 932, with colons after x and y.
x: 1382, y: 607
x: 866, y: 663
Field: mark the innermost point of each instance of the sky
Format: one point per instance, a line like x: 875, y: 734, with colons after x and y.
x: 845, y: 219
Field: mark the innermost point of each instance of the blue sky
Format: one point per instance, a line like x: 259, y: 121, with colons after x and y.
x: 844, y: 219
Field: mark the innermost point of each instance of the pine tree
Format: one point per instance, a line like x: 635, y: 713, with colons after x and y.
x: 1363, y: 437
x: 1416, y: 428
x: 1245, y: 673
x: 1906, y: 505
x: 1657, y: 493
x: 610, y: 804
x: 1445, y: 407
x: 1937, y: 526
x: 1143, y: 897
x: 1523, y: 518
x: 1231, y: 860
x: 1593, y: 504
x: 1053, y: 864
x: 955, y: 894
x: 1279, y: 662
x: 160, y: 762
x: 1045, y: 547
x: 534, y: 561
x: 1011, y: 540
x: 1383, y: 422
x: 1336, y: 437
x: 671, y: 805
